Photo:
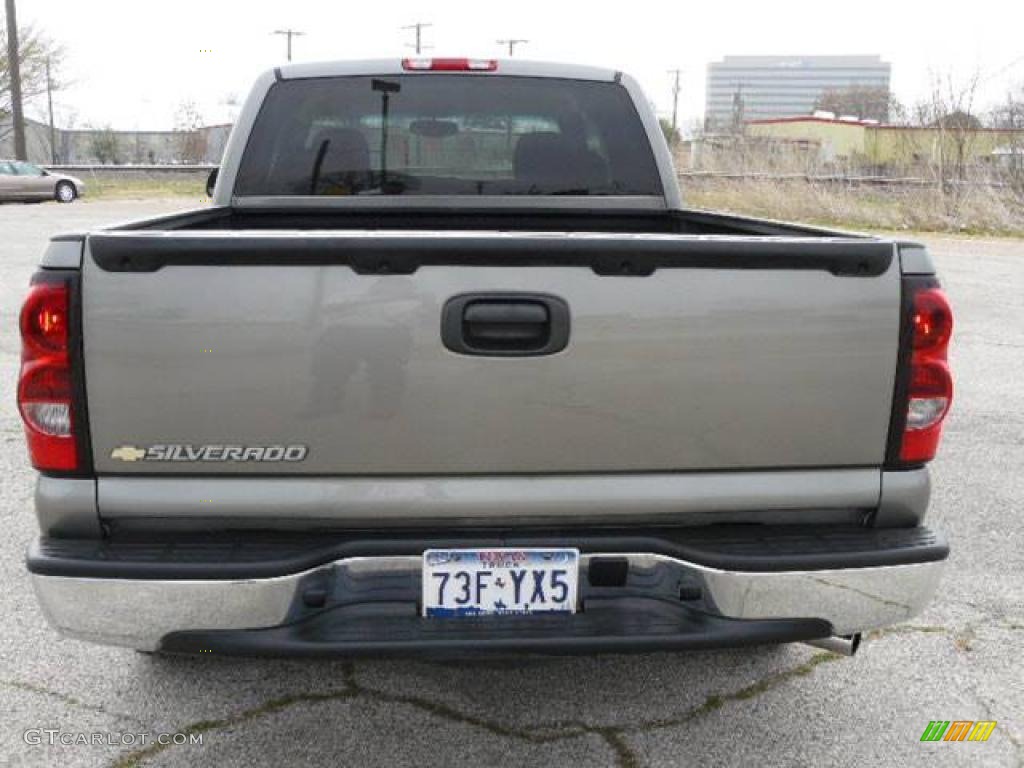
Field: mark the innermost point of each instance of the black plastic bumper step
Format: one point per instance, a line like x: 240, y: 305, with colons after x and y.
x: 251, y: 555
x: 614, y: 625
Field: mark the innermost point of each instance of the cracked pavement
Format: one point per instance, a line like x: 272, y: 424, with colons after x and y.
x: 781, y: 705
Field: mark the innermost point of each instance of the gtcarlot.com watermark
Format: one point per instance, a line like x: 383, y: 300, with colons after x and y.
x: 54, y: 737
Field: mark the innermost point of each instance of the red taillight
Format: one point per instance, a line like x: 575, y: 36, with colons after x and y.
x: 45, y: 390
x: 933, y: 320
x: 44, y: 319
x: 930, y: 389
x: 450, y: 65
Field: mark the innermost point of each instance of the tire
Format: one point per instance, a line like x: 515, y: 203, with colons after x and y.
x: 65, y: 192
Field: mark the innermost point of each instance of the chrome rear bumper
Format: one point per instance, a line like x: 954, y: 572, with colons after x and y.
x: 142, y: 613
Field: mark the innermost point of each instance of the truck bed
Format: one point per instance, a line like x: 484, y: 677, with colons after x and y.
x: 599, y: 218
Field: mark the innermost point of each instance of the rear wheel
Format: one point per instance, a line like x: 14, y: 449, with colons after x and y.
x: 66, y: 192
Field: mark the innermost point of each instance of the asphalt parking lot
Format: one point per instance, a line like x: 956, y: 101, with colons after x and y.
x: 789, y: 705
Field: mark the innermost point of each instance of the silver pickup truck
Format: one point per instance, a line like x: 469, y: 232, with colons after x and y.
x: 447, y: 367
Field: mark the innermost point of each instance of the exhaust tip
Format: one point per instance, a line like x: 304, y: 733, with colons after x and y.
x: 844, y: 645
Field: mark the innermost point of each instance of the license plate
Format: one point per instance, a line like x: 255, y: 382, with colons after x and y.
x: 479, y: 582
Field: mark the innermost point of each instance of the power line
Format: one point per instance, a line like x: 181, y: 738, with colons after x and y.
x: 419, y: 26
x: 1002, y: 69
x: 289, y: 33
x: 512, y: 42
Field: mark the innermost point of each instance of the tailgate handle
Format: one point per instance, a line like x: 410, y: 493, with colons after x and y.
x: 526, y: 323
x: 505, y: 324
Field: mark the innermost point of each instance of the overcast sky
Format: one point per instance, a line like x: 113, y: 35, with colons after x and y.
x: 133, y: 62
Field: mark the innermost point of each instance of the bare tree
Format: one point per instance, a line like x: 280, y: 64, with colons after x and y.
x: 34, y: 49
x: 899, y: 113
x: 949, y: 112
x: 866, y: 102
x: 104, y: 146
x: 191, y: 140
x: 1009, y: 117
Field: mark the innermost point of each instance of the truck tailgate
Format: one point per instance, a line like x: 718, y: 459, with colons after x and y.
x: 683, y: 353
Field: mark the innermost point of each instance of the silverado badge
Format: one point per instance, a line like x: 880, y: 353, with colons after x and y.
x: 189, y: 452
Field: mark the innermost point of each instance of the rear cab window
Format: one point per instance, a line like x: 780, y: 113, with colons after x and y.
x: 431, y: 134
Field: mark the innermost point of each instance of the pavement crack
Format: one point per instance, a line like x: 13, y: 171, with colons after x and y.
x: 963, y: 638
x: 614, y: 736
x: 352, y: 689
x: 546, y: 734
x: 625, y: 757
x: 988, y: 708
x: 717, y: 701
x: 272, y: 706
x: 70, y: 700
x: 908, y: 629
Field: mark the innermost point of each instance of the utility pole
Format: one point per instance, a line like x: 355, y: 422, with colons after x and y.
x: 14, y: 69
x: 419, y: 26
x: 289, y: 33
x: 512, y: 43
x: 675, y: 101
x: 49, y: 104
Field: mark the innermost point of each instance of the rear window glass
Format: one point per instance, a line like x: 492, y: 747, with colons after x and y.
x: 447, y: 135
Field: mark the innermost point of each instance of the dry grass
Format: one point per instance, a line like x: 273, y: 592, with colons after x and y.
x: 988, y: 205
x: 144, y: 186
x: 979, y: 210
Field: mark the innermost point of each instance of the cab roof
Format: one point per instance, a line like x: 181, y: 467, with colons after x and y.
x: 515, y: 67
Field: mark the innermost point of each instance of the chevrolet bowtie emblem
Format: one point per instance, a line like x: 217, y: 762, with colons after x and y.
x: 127, y: 453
